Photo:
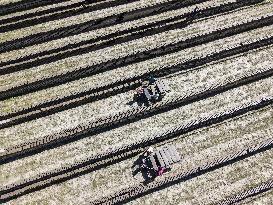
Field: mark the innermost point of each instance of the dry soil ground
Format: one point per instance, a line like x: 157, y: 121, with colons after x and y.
x: 194, y: 147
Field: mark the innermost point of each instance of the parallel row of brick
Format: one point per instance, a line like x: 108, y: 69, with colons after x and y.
x: 119, y: 37
x: 264, y: 187
x: 138, y: 57
x: 128, y: 194
x: 25, y: 5
x: 121, y: 85
x: 94, y: 24
x: 123, y: 118
x: 113, y: 156
x: 56, y: 13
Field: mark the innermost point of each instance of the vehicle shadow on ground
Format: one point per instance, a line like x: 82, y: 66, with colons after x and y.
x: 141, y: 166
x: 138, y: 100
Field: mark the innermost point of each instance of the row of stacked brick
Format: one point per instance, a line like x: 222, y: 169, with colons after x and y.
x: 60, y: 11
x: 118, y: 37
x: 122, y: 118
x: 142, y: 56
x: 264, y: 187
x: 25, y: 5
x: 131, y: 193
x: 114, y: 156
x: 94, y: 24
x: 122, y: 85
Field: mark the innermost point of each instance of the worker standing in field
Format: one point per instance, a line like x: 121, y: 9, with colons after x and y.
x: 149, y: 151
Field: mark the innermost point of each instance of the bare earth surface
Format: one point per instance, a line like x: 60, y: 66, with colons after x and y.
x: 195, y: 148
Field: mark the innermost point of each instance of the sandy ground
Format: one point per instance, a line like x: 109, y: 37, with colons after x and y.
x: 147, y: 43
x: 261, y: 199
x: 215, y: 185
x: 101, y: 32
x: 195, y: 147
x: 29, y: 11
x: 77, y: 19
x: 250, y: 61
x: 3, y: 2
x: 109, y: 179
x: 84, y: 114
x: 127, y: 134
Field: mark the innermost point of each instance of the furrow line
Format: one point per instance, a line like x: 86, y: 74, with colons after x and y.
x: 55, y: 13
x: 26, y: 4
x: 135, y: 58
x: 120, y: 86
x: 119, y: 37
x: 264, y: 187
x: 131, y: 193
x: 94, y: 24
x: 105, y: 159
x: 122, y: 118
